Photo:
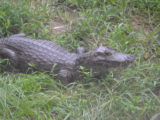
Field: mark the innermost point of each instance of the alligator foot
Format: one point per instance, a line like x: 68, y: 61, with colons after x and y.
x: 65, y: 76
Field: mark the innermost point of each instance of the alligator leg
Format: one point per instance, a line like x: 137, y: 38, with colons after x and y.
x: 65, y: 76
x: 80, y: 50
x: 8, y: 53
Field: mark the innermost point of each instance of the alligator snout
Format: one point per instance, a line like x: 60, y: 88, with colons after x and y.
x: 130, y: 58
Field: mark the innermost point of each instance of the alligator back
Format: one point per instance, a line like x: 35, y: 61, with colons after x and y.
x: 42, y: 53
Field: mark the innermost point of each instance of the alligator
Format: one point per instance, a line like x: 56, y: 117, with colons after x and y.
x: 23, y: 51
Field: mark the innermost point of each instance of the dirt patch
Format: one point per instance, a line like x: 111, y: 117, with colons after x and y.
x: 63, y: 22
x: 142, y: 23
x: 58, y: 25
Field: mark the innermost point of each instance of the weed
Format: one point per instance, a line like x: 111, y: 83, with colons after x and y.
x: 124, y: 94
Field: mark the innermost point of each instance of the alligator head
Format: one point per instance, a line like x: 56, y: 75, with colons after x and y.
x: 105, y: 57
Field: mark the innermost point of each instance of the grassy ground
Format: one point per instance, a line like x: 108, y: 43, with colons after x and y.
x: 131, y: 26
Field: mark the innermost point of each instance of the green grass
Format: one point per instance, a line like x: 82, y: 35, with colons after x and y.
x: 124, y: 94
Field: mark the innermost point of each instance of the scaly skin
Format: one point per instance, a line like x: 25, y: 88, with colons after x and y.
x: 46, y: 55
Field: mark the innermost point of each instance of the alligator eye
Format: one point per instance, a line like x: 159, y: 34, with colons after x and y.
x: 103, y: 54
x: 108, y: 53
x: 99, y: 54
